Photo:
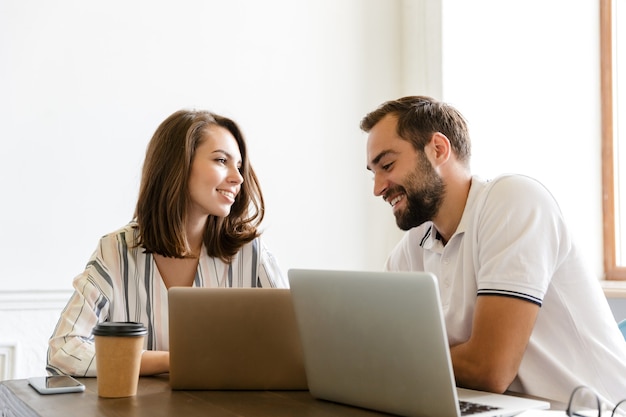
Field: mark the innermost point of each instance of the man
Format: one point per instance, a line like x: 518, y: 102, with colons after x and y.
x: 522, y: 313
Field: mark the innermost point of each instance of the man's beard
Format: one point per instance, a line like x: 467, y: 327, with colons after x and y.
x: 422, y: 202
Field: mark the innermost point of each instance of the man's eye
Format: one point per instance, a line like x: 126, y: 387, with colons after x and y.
x: 387, y: 167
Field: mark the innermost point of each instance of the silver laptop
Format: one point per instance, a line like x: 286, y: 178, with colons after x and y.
x: 377, y: 340
x: 234, y: 339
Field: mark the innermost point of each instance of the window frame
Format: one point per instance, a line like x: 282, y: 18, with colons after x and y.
x: 612, y: 271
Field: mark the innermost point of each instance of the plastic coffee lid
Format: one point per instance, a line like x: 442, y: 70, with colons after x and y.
x: 119, y: 328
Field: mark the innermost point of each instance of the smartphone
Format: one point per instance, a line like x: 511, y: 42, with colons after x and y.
x: 57, y: 384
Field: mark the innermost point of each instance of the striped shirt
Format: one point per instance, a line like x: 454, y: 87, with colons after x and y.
x: 122, y: 283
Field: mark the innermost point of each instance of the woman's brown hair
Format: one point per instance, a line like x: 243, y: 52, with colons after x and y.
x: 162, y: 206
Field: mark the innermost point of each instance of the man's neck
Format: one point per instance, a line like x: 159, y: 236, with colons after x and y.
x: 451, y: 211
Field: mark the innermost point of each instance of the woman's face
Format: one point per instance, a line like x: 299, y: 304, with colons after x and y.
x: 215, y: 180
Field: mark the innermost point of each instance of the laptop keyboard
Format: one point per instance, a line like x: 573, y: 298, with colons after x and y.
x: 469, y: 408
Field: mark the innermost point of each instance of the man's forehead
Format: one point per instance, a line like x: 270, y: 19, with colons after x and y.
x: 383, y: 140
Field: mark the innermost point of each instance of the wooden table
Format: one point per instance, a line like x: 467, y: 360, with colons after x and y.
x: 155, y: 398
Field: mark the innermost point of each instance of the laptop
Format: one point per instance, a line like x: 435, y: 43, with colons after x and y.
x: 377, y: 340
x: 234, y: 339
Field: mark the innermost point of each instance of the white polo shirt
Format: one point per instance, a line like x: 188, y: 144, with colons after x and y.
x: 512, y: 241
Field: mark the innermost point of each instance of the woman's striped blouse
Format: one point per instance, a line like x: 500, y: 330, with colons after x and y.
x: 122, y: 283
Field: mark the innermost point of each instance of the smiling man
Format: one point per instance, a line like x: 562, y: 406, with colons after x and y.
x: 522, y: 311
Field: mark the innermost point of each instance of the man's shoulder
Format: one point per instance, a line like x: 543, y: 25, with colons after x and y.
x: 510, y: 180
x: 511, y: 187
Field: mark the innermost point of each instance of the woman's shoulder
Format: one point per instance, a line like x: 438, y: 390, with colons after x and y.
x: 126, y: 234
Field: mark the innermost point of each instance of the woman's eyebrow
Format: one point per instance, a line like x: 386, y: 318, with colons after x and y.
x: 226, y: 154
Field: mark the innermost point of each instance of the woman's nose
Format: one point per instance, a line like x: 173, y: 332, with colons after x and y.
x: 235, y: 176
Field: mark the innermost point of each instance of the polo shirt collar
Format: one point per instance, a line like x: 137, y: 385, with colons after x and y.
x: 432, y: 237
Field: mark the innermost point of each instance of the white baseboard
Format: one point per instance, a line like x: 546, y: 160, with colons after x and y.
x: 27, y: 318
x: 8, y: 361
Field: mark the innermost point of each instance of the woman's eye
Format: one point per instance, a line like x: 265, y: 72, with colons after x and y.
x: 221, y: 160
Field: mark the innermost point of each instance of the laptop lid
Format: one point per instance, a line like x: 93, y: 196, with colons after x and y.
x: 234, y: 339
x: 377, y: 340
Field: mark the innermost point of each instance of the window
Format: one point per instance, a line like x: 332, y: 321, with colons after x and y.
x: 613, y: 67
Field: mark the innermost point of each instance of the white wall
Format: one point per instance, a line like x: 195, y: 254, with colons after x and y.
x: 83, y: 86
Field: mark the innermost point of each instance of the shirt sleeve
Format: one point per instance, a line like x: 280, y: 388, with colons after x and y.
x: 523, y: 239
x: 71, y: 347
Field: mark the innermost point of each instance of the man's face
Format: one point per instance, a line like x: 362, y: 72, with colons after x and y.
x: 403, y: 176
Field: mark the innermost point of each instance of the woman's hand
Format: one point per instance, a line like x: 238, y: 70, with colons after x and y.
x: 154, y: 362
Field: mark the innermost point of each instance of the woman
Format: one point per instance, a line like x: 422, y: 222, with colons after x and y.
x: 195, y: 224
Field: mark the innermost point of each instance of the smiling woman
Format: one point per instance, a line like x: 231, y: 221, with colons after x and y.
x: 179, y: 183
x: 195, y: 225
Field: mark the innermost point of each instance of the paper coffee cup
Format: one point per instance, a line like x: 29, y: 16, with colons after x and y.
x: 118, y: 357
